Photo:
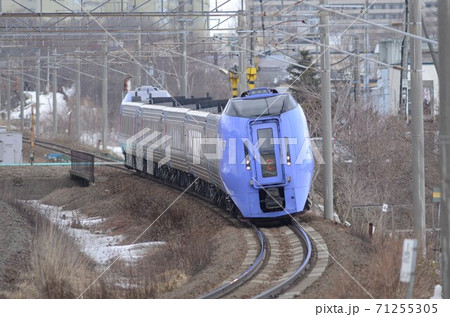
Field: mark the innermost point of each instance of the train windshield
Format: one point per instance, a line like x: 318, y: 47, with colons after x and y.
x: 255, y: 107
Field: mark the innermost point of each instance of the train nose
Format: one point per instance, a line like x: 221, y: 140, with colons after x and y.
x: 272, y: 199
x: 267, y: 154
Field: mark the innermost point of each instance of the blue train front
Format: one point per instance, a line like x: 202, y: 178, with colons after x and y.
x: 267, y: 164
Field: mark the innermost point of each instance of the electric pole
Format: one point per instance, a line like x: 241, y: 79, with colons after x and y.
x: 22, y: 102
x: 138, y: 82
x: 326, y: 112
x: 183, y: 57
x: 55, y: 113
x: 78, y: 98
x: 8, y: 94
x: 444, y: 140
x: 356, y: 74
x: 242, y: 69
x: 417, y: 125
x: 1, y: 86
x: 366, y: 52
x: 105, y: 94
x: 404, y: 107
x: 38, y: 91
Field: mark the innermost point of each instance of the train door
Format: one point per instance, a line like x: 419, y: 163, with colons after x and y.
x: 267, y: 156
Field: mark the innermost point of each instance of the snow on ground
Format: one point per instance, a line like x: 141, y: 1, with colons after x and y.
x: 93, y: 139
x: 101, y: 248
x: 46, y: 105
x: 46, y: 114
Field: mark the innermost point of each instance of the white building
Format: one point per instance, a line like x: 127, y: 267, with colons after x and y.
x: 10, y: 147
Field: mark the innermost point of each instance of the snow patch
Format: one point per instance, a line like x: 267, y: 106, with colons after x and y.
x: 101, y: 248
x: 45, y: 108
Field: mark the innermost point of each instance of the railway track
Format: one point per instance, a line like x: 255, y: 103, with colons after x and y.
x: 277, y: 257
x: 288, y: 255
x: 65, y: 149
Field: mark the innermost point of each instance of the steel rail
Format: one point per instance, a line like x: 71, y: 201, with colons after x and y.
x: 244, y: 276
x: 66, y: 150
x: 281, y: 287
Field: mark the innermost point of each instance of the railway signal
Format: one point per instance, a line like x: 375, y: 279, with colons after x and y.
x: 251, y: 77
x: 234, y: 80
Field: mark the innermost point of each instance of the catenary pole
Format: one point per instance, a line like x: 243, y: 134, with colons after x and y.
x: 242, y: 53
x: 55, y: 112
x: 22, y: 101
x: 404, y: 107
x: 444, y: 139
x: 183, y: 58
x: 105, y: 94
x: 356, y: 75
x: 1, y: 87
x: 78, y: 98
x: 8, y: 94
x: 138, y: 81
x: 417, y: 125
x: 38, y: 92
x: 366, y: 54
x: 326, y: 112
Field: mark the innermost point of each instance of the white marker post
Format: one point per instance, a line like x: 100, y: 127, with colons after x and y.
x: 407, y: 270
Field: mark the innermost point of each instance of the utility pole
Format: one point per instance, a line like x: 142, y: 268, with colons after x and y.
x: 47, y: 88
x: 417, y: 126
x: 404, y: 106
x: 366, y: 52
x: 242, y: 69
x: 183, y: 57
x: 1, y: 86
x: 251, y: 8
x: 326, y: 112
x: 444, y: 140
x: 105, y: 94
x: 356, y: 74
x: 38, y: 91
x: 138, y: 82
x: 78, y: 98
x: 22, y: 102
x: 8, y: 94
x: 55, y: 106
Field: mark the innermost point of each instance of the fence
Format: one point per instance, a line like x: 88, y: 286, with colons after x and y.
x: 82, y: 165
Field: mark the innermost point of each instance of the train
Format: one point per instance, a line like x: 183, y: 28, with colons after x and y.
x: 254, y: 158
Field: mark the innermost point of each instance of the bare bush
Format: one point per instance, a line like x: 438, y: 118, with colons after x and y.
x: 58, y: 267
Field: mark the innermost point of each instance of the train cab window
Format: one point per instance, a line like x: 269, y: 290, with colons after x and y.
x: 267, y: 152
x: 265, y: 106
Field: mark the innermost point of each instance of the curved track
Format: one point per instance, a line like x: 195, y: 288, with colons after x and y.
x: 277, y: 257
x: 289, y: 254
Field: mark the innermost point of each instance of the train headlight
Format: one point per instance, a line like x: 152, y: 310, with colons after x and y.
x: 247, y: 157
x: 288, y: 152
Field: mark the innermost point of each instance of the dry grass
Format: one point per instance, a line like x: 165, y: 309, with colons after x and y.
x: 59, y: 270
x: 130, y: 205
x: 380, y: 275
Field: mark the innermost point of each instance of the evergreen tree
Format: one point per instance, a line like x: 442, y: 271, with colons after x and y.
x: 303, y: 81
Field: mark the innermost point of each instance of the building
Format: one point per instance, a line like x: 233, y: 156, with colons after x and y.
x: 10, y: 147
x: 276, y: 20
